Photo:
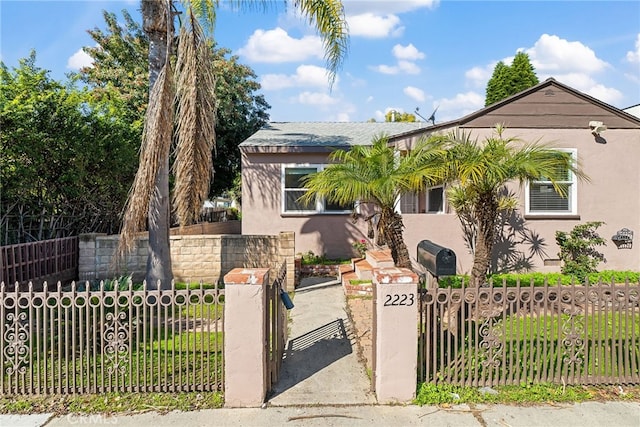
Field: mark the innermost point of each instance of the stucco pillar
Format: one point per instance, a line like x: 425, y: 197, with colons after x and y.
x: 396, y: 340
x: 244, y: 337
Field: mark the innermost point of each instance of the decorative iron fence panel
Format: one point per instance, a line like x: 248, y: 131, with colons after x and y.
x: 55, y: 259
x: 498, y: 335
x: 111, y: 338
x: 276, y: 326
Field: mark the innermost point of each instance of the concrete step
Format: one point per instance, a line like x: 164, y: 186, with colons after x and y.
x: 344, y: 269
x: 362, y: 289
x: 364, y: 270
x: 380, y: 258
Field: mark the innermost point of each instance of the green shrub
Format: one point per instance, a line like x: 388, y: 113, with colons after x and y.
x: 538, y: 279
x: 578, y: 249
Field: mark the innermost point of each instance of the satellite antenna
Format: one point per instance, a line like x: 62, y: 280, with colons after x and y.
x: 419, y: 115
x: 432, y: 117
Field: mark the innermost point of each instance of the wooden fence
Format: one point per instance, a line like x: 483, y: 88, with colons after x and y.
x: 499, y: 335
x: 48, y: 260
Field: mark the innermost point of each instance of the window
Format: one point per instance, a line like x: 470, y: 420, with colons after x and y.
x: 409, y: 203
x: 293, y: 189
x: 435, y: 199
x: 543, y: 199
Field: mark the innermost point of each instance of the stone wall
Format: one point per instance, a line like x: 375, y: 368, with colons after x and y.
x: 194, y: 258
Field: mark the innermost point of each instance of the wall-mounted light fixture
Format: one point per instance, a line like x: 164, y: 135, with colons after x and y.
x: 597, y: 127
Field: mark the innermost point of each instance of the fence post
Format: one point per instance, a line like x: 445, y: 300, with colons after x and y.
x: 396, y: 334
x: 244, y: 337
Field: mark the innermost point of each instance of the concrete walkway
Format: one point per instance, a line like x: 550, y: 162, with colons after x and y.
x: 321, y: 365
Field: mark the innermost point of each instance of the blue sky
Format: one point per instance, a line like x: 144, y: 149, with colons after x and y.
x: 402, y: 55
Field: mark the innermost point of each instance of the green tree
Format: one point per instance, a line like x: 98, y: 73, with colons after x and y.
x: 65, y: 161
x: 396, y: 116
x: 509, y: 80
x: 120, y: 73
x: 195, y: 111
x: 378, y: 175
x: 479, y: 173
x: 523, y: 73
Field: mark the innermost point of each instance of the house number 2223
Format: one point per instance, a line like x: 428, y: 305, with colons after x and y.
x: 399, y: 299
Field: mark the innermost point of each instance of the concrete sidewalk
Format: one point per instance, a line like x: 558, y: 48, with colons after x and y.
x: 591, y: 414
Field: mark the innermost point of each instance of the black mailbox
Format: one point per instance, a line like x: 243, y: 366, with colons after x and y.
x: 438, y: 260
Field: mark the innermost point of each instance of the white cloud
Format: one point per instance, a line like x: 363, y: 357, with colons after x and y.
x: 305, y: 76
x: 479, y: 76
x: 634, y: 55
x: 386, y: 69
x: 369, y: 98
x: 408, y: 67
x: 354, y: 7
x: 374, y: 26
x: 553, y: 54
x: 588, y: 85
x: 458, y: 106
x: 79, y: 59
x: 277, y: 46
x: 607, y: 94
x: 405, y: 56
x: 405, y: 67
x: 414, y: 93
x: 571, y: 63
x: 316, y: 98
x: 409, y: 52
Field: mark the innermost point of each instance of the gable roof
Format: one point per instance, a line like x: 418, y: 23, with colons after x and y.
x: 547, y: 105
x: 321, y: 136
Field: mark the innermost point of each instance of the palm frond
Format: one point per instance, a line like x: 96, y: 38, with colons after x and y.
x: 195, y: 121
x: 329, y: 18
x: 154, y: 150
x: 204, y: 10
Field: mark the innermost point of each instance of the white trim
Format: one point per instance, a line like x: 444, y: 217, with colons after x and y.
x: 444, y: 199
x: 320, y: 202
x: 572, y: 194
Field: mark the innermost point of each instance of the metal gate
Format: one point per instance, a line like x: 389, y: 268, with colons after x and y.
x: 276, y: 327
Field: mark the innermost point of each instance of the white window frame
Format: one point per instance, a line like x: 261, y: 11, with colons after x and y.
x: 444, y: 199
x: 413, y: 200
x: 320, y: 201
x: 572, y: 194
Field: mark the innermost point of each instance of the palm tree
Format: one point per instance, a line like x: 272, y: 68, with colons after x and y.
x: 378, y: 174
x: 480, y: 172
x: 191, y: 92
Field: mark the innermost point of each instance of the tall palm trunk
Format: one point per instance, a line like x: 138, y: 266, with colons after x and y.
x: 158, y: 24
x: 393, y: 227
x: 487, y: 210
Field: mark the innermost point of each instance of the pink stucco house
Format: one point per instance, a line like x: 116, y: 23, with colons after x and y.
x: 274, y: 157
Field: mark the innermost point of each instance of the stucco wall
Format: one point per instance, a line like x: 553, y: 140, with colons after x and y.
x: 194, y: 258
x: 611, y: 195
x: 329, y: 234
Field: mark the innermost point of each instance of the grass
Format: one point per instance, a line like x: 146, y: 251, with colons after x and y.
x: 601, y: 343
x: 431, y: 394
x: 111, y: 403
x: 360, y: 282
